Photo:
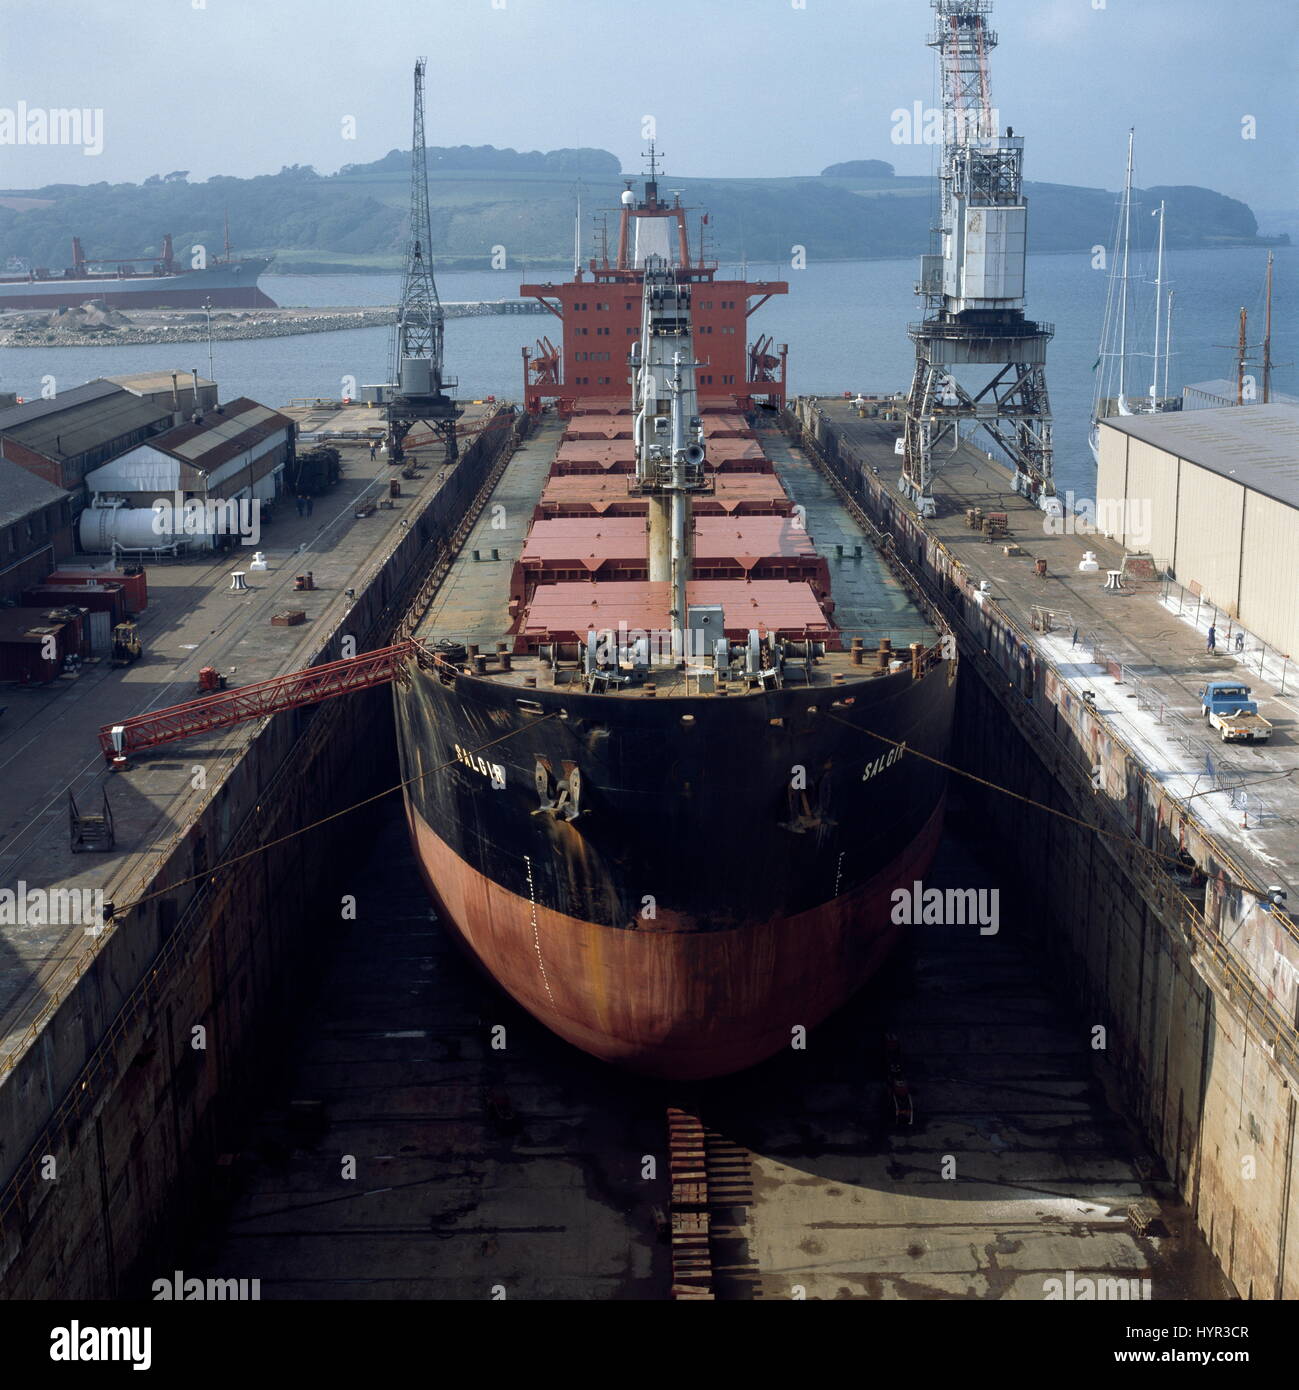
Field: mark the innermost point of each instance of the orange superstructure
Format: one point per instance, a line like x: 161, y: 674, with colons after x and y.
x: 600, y: 309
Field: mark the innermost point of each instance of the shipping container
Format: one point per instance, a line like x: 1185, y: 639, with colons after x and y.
x: 100, y: 633
x: 34, y: 644
x: 132, y: 579
x: 99, y: 598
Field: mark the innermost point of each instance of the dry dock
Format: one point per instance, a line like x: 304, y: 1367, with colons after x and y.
x: 1149, y: 874
x: 124, y: 1054
x: 1017, y: 1171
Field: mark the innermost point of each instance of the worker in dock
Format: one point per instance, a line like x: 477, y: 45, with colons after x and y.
x: 1211, y: 642
x: 1240, y: 640
x: 302, y: 505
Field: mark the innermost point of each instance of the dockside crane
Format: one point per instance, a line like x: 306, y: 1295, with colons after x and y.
x: 418, y: 389
x: 972, y: 283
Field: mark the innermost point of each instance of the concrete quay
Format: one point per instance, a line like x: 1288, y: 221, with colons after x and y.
x: 102, y: 1070
x: 1151, y: 882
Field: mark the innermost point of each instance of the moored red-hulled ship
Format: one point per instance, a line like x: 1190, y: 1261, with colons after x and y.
x: 659, y: 774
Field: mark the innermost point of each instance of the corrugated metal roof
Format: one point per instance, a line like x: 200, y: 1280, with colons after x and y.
x: 1257, y: 445
x: 22, y: 493
x: 19, y: 415
x: 146, y: 383
x: 221, y: 436
x: 80, y: 419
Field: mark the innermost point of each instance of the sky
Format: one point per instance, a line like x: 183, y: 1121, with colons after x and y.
x: 736, y: 87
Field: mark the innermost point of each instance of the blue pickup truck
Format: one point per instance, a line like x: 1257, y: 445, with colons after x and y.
x: 1227, y: 706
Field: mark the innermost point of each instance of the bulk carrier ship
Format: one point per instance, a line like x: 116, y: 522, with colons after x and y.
x: 643, y: 781
x: 228, y: 282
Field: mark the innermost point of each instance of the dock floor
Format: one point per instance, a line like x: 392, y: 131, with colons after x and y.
x: 826, y: 1195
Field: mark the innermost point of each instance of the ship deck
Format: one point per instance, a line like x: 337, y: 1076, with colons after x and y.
x: 473, y: 607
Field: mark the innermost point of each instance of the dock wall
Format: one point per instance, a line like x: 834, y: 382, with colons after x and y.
x: 1192, y: 980
x: 114, y: 1123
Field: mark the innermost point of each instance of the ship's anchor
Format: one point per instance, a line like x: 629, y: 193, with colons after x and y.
x: 803, y: 815
x: 559, y: 796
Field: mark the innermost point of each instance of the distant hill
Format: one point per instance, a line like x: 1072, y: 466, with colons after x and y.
x: 461, y: 157
x: 483, y: 198
x: 858, y: 169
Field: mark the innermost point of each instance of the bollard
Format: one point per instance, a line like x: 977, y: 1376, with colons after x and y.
x: 917, y: 660
x: 856, y: 654
x: 885, y: 653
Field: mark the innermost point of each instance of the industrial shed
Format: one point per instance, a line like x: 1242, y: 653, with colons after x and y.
x: 236, y: 450
x: 1214, y: 496
x: 63, y: 438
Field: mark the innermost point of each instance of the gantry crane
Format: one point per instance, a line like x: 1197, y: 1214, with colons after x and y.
x: 417, y: 390
x: 972, y: 283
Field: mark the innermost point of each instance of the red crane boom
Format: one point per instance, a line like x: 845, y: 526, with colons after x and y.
x: 255, y: 701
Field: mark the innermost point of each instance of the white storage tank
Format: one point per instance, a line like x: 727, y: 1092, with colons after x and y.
x: 104, y: 529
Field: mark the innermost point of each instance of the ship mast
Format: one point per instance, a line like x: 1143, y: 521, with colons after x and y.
x: 669, y: 437
x: 1267, y: 336
x: 1159, y: 307
x: 1241, y: 350
x: 1123, y: 302
x: 1168, y: 340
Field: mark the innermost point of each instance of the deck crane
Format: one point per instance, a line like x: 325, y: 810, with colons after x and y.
x: 417, y: 389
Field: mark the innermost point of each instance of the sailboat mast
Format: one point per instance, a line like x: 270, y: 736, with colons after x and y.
x: 1240, y: 360
x: 1159, y: 305
x: 1123, y: 305
x: 1267, y: 336
x: 1168, y: 339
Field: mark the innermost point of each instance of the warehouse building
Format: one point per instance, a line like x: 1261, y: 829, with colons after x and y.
x: 183, y: 393
x: 237, y: 452
x: 35, y: 529
x: 1213, y: 496
x: 61, y: 439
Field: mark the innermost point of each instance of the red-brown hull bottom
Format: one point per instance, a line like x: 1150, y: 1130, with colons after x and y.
x: 677, y: 1004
